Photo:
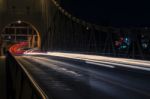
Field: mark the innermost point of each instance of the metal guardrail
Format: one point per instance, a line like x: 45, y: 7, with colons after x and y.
x: 20, y: 84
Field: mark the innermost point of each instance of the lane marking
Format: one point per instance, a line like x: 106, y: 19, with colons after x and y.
x: 108, y: 64
x: 46, y: 62
x: 103, y: 65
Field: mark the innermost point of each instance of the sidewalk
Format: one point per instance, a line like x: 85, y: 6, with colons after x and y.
x: 2, y: 78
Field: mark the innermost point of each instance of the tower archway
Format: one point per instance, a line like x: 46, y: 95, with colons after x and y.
x: 17, y: 32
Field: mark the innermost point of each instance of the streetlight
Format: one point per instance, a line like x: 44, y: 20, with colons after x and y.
x: 19, y: 21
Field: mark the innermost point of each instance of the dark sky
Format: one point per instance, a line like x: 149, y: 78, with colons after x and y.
x: 121, y: 13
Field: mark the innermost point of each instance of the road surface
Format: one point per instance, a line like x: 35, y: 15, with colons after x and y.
x: 67, y: 78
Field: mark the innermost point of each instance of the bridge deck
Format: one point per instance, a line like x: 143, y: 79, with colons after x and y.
x: 67, y: 78
x: 2, y: 78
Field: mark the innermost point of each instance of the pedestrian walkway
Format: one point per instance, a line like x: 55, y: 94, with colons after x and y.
x: 2, y: 78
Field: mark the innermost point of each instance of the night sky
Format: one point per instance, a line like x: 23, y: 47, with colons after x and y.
x: 119, y: 13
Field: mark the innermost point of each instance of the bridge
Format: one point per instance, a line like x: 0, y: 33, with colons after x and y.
x: 48, y: 53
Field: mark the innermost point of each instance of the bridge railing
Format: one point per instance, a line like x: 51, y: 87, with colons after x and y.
x: 20, y: 84
x: 66, y: 32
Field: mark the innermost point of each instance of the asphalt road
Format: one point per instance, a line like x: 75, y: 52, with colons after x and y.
x: 66, y: 78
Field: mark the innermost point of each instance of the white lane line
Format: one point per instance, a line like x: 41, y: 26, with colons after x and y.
x: 109, y: 64
x: 100, y: 64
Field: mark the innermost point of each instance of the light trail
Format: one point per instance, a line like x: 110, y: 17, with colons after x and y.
x: 102, y: 58
x: 17, y: 48
x: 110, y: 62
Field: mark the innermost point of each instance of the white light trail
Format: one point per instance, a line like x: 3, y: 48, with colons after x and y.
x: 110, y: 62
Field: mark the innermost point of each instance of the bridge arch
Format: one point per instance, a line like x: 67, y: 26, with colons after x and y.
x: 33, y: 36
